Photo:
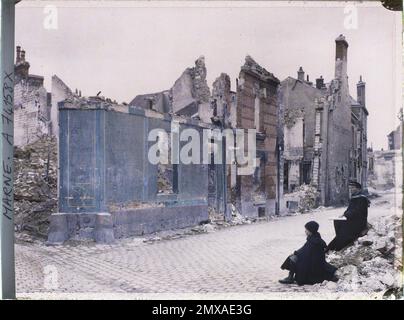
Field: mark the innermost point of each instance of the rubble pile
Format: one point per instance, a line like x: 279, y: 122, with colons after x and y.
x: 212, y: 225
x: 373, y: 263
x: 308, y: 196
x: 35, y: 186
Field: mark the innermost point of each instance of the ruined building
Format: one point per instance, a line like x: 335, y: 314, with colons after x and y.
x: 32, y: 103
x: 257, y: 101
x: 110, y: 189
x: 325, y: 137
x: 358, y: 156
x: 253, y: 106
x: 35, y: 109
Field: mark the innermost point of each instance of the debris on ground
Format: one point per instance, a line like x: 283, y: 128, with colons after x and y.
x: 306, y: 197
x: 35, y: 186
x: 373, y: 263
x: 213, y: 224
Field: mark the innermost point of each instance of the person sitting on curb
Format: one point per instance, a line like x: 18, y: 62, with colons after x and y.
x: 308, y: 265
x: 356, y: 223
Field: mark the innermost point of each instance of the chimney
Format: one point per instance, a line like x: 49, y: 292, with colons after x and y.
x: 300, y: 74
x: 21, y: 68
x: 361, y: 92
x: 319, y: 82
x: 341, y: 58
x: 308, y: 81
x: 18, y: 54
x: 341, y: 48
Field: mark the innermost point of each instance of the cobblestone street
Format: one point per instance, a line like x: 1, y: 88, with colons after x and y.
x: 242, y: 260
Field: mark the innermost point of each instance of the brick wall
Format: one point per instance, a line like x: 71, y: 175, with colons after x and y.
x: 257, y: 88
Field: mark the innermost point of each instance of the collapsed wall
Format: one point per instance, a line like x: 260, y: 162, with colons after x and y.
x: 191, y: 93
x: 189, y: 96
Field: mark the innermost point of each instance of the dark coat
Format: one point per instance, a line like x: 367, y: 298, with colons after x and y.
x: 356, y: 221
x: 311, y: 266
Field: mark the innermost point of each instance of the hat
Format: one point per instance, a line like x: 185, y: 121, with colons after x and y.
x: 312, y: 226
x: 355, y: 184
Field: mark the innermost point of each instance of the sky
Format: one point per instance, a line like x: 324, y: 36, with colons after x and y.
x: 126, y: 48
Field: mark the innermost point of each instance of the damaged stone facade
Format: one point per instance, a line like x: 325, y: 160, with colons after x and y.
x: 358, y: 156
x: 257, y: 109
x: 325, y: 132
x: 31, y: 103
x: 59, y: 92
x: 108, y: 189
x: 35, y: 109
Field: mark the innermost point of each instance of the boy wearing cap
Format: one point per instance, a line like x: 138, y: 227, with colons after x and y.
x: 308, y: 265
x: 356, y: 219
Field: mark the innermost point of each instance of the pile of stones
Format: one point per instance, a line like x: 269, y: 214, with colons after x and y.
x: 35, y: 186
x: 373, y: 264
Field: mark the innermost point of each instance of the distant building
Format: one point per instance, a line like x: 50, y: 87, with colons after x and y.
x: 395, y: 138
x: 385, y: 169
x: 385, y: 166
x: 325, y: 132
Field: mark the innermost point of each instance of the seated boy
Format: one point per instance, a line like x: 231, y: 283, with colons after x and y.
x: 308, y: 265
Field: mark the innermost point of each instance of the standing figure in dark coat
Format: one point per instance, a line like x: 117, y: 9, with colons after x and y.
x: 308, y: 265
x: 356, y: 223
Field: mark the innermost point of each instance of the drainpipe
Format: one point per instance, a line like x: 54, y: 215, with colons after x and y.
x: 7, y: 259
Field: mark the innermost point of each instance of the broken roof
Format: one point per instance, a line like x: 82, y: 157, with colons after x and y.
x: 251, y: 66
